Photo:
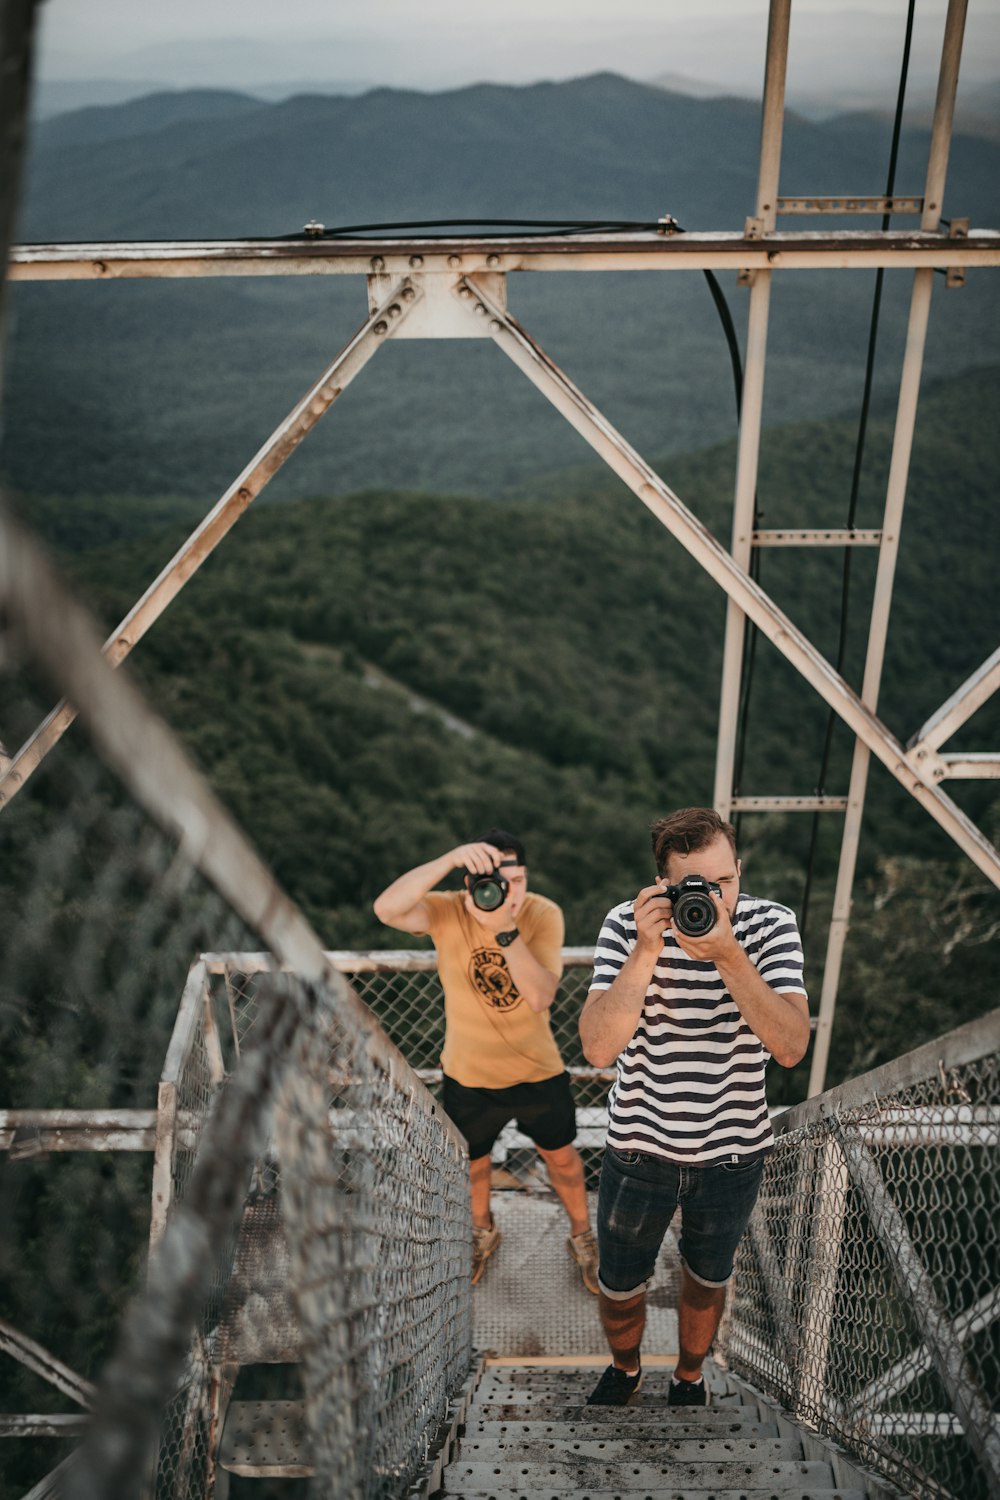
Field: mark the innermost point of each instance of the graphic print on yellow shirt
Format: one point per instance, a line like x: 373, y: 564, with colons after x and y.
x: 490, y: 975
x: 493, y: 1039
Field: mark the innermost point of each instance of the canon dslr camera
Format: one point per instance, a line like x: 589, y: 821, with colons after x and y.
x: 488, y: 891
x: 694, y: 909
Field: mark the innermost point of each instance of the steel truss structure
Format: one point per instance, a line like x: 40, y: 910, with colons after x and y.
x: 456, y: 288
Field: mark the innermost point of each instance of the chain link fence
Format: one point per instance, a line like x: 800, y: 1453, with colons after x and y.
x: 348, y: 1261
x: 310, y: 1212
x: 867, y: 1292
x: 402, y: 990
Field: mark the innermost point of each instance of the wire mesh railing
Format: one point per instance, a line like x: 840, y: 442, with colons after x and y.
x: 350, y: 1251
x: 867, y: 1292
x: 310, y: 1151
x: 402, y: 990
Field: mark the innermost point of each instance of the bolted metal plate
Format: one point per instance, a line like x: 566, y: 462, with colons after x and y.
x: 439, y: 314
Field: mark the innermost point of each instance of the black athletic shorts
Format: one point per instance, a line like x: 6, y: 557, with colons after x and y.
x: 544, y: 1112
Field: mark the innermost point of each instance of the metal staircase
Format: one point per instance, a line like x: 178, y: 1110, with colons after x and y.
x: 528, y: 1435
x: 524, y: 1432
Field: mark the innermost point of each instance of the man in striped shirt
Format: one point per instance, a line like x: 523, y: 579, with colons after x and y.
x: 691, y: 1023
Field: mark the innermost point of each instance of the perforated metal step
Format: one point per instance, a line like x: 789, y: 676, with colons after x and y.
x: 266, y: 1440
x: 528, y: 1433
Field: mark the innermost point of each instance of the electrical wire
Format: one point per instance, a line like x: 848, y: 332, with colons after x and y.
x: 531, y: 228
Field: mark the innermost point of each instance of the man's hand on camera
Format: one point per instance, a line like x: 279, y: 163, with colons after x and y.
x: 715, y: 945
x: 652, y: 918
x: 481, y: 859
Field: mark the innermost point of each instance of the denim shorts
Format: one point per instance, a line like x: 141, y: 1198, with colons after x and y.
x: 638, y: 1196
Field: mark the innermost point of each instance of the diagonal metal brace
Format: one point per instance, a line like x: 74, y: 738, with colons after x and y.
x: 266, y: 462
x: 940, y: 1336
x: 920, y: 777
x: 36, y: 1358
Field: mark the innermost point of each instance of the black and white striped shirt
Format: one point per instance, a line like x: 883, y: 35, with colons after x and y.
x: 690, y: 1083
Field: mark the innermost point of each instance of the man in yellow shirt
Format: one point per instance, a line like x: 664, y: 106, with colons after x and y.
x: 499, y: 949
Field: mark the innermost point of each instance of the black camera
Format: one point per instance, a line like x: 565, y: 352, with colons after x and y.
x: 694, y: 909
x: 489, y: 891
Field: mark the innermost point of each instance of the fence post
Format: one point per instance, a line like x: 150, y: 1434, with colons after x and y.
x: 821, y: 1280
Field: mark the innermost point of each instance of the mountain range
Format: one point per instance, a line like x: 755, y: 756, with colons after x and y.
x: 169, y: 387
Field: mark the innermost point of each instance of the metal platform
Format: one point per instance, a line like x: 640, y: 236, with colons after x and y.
x: 531, y: 1301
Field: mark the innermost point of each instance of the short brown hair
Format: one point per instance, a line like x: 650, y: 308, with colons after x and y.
x: 686, y: 831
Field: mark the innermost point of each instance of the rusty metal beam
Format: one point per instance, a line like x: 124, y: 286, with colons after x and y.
x: 645, y: 250
x: 36, y: 1358
x: 55, y: 1424
x: 964, y: 701
x: 33, y: 1132
x: 364, y: 961
x: 984, y: 765
x: 828, y: 537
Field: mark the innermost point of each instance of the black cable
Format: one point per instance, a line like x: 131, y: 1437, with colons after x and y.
x: 532, y: 227
x: 750, y: 636
x: 859, y: 450
x: 729, y: 329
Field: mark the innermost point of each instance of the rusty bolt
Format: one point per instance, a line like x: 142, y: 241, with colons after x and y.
x: 378, y: 264
x: 394, y: 310
x: 381, y: 326
x: 408, y: 294
x: 454, y: 260
x: 416, y: 261
x: 465, y: 291
x: 492, y: 260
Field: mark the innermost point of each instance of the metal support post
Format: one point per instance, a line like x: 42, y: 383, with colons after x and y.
x: 748, y: 456
x: 906, y: 416
x: 821, y: 1281
x: 747, y: 462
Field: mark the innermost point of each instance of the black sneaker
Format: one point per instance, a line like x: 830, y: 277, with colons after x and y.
x: 615, y: 1387
x: 687, y: 1392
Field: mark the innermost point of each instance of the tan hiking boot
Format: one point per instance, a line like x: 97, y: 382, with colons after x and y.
x: 484, y: 1242
x: 583, y: 1248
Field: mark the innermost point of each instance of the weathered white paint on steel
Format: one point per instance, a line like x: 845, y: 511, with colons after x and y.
x: 641, y: 250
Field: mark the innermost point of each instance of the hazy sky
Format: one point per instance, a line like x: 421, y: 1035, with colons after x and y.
x: 441, y: 43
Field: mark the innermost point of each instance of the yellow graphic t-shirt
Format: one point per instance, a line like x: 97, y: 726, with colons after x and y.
x: 493, y: 1039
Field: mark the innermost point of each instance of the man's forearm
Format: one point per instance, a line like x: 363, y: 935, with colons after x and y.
x: 781, y: 1022
x: 537, y: 984
x: 403, y: 894
x: 610, y: 1017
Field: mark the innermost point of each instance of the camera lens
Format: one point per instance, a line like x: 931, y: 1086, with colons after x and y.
x: 488, y: 892
x: 694, y: 915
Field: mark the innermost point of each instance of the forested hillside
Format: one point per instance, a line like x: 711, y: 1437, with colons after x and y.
x: 369, y: 680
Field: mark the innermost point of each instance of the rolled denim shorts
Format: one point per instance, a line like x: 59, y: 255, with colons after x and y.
x: 637, y: 1199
